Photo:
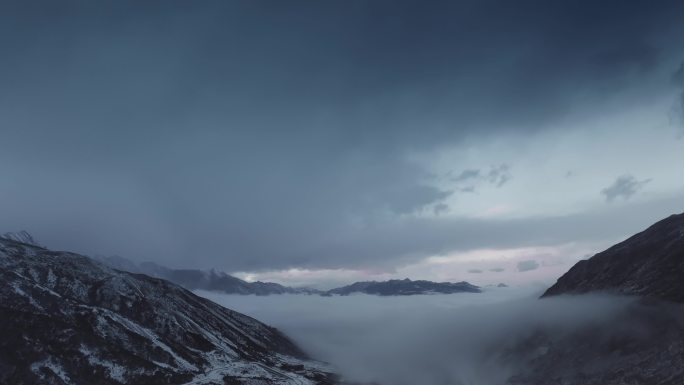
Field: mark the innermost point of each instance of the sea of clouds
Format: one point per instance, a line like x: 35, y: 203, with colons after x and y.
x: 426, y: 339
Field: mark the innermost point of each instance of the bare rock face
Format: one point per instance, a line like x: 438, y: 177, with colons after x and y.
x: 67, y: 319
x: 649, y: 264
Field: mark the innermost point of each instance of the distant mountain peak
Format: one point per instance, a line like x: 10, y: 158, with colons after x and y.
x: 405, y: 286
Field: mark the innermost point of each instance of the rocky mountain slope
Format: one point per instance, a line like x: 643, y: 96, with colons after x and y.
x: 405, y: 287
x: 67, y: 319
x: 648, y: 264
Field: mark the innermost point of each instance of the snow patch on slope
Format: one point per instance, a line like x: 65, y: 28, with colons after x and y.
x: 115, y: 371
x: 54, y: 367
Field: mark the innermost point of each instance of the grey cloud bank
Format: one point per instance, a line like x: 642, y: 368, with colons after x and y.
x: 263, y: 135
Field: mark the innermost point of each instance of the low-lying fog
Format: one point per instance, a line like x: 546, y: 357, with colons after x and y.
x: 426, y: 339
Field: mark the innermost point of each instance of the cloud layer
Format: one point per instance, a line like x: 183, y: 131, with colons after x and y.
x: 432, y: 340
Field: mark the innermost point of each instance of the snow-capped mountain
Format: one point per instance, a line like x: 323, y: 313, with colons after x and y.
x: 405, y: 287
x: 20, y: 236
x: 67, y: 319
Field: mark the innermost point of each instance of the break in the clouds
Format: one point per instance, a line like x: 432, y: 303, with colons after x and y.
x: 624, y: 187
x: 254, y: 136
x: 527, y: 265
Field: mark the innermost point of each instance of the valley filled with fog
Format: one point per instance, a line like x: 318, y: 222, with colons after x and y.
x: 432, y: 339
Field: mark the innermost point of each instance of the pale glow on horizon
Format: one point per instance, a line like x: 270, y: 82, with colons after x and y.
x: 481, y: 267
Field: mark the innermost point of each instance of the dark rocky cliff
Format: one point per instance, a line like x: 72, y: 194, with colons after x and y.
x: 648, y: 264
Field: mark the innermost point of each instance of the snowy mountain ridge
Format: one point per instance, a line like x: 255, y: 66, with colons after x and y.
x: 70, y: 320
x: 20, y: 236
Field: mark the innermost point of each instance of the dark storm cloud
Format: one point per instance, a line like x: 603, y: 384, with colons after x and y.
x: 527, y: 265
x: 624, y: 187
x: 475, y: 271
x: 252, y: 135
x: 497, y: 269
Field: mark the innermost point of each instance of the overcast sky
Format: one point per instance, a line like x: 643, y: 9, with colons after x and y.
x: 308, y: 141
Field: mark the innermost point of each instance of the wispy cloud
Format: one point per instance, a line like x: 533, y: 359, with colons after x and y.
x: 466, y: 175
x: 625, y: 187
x: 499, y: 175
